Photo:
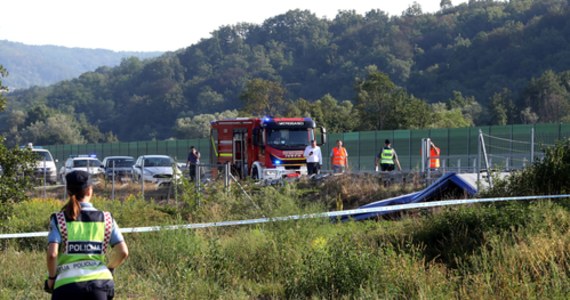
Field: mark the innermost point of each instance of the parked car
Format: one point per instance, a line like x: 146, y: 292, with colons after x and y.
x: 88, y: 163
x: 45, y: 165
x: 121, y: 166
x: 156, y: 168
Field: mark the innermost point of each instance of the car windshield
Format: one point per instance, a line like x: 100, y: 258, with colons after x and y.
x: 82, y: 163
x: 120, y: 163
x: 288, y: 137
x: 157, y: 162
x: 42, y: 156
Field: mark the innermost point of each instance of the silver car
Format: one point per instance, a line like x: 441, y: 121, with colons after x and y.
x: 88, y: 163
x: 156, y: 169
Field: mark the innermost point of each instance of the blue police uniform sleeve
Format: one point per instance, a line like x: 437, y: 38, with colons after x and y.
x: 116, y: 235
x: 53, y: 236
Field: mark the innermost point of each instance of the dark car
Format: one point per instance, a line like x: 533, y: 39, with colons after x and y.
x: 121, y: 166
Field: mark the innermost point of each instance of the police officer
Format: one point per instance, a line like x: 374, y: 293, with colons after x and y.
x: 78, y: 239
x: 388, y: 158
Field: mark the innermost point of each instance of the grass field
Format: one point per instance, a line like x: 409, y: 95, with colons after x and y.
x: 506, y: 251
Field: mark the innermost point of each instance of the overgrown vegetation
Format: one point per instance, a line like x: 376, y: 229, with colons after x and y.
x: 16, y: 164
x: 506, y: 251
x: 547, y: 176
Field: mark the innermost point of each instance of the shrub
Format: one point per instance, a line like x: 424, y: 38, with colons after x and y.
x: 547, y: 176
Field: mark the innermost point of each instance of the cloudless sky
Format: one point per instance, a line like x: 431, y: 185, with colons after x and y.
x: 165, y: 25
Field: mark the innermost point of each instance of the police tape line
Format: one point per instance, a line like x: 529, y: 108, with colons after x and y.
x: 342, y: 213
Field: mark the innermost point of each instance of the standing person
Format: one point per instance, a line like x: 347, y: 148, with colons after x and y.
x: 192, y: 161
x: 388, y: 158
x: 434, y: 152
x: 339, y: 158
x: 78, y: 239
x: 314, y: 158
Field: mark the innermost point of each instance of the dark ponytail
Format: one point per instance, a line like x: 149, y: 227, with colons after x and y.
x: 78, y: 184
x: 72, y: 207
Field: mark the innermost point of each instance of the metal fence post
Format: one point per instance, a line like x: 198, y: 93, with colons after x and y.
x: 175, y: 181
x: 197, y: 178
x: 227, y: 176
x: 142, y: 177
x: 113, y: 180
x: 532, y: 144
x: 45, y: 178
x: 479, y: 157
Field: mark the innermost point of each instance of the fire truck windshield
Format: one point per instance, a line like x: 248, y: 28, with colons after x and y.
x: 289, y: 138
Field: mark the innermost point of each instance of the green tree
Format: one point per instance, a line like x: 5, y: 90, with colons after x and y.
x: 470, y: 108
x: 414, y: 9
x: 16, y: 164
x: 447, y: 118
x: 503, y: 109
x: 548, y: 97
x: 528, y: 116
x: 377, y: 98
x: 327, y: 112
x: 413, y: 113
x: 263, y: 97
x: 210, y: 100
x: 444, y: 4
x: 198, y: 126
x: 57, y: 129
x: 3, y: 89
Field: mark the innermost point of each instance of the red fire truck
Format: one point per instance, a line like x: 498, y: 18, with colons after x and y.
x: 263, y: 148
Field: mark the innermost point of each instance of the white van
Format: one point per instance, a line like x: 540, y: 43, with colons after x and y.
x: 45, y: 165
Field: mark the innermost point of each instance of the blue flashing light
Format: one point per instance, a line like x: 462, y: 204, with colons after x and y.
x: 277, y: 162
x: 266, y: 119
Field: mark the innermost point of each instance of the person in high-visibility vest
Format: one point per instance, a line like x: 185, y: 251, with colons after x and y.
x: 433, y: 156
x: 339, y: 158
x: 78, y: 239
x: 388, y: 158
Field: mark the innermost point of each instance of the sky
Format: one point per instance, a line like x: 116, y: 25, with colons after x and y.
x: 165, y: 25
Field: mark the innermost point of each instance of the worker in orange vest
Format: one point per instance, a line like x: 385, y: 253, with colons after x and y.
x: 339, y: 158
x: 433, y: 156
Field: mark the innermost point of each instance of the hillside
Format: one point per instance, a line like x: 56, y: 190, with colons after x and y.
x: 44, y: 65
x: 494, y: 62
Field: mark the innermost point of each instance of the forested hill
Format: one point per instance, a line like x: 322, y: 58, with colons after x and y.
x: 494, y: 62
x: 44, y: 65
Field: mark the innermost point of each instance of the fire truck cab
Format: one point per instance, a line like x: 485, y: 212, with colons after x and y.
x: 263, y: 148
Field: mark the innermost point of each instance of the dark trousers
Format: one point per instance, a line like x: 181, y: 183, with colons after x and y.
x: 88, y: 290
x: 387, y: 167
x: 192, y: 171
x: 313, y: 168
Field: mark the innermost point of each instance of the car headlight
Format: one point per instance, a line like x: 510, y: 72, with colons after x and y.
x: 271, y: 172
